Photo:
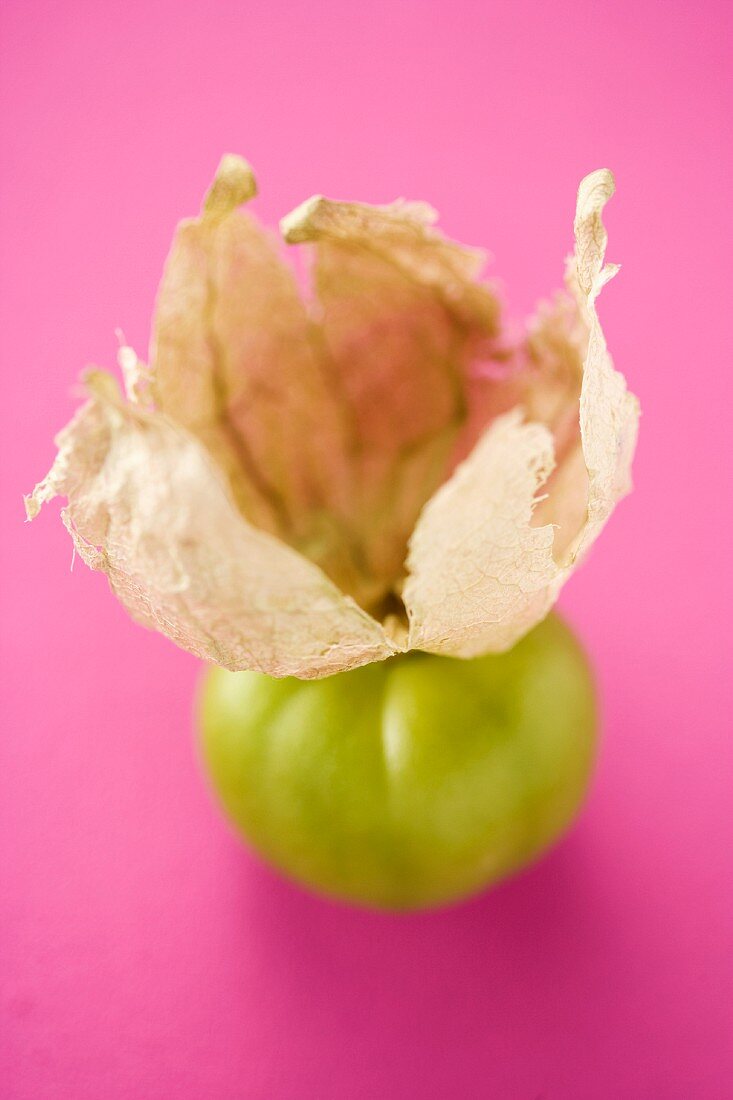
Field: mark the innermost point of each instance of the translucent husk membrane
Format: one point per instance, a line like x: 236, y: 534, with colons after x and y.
x: 302, y: 485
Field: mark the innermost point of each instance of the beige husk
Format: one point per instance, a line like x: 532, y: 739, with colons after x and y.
x: 260, y: 495
x: 481, y: 572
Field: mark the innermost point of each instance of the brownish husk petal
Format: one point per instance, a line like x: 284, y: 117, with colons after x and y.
x: 147, y: 507
x: 489, y: 555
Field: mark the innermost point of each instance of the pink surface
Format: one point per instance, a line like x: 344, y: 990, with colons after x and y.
x: 144, y: 953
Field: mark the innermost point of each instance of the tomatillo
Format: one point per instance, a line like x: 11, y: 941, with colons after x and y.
x: 409, y: 783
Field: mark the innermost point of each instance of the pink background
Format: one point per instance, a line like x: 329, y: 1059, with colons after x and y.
x: 145, y: 954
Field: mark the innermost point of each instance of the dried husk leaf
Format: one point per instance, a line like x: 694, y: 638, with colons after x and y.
x: 481, y: 570
x: 334, y: 425
x: 147, y: 507
x: 272, y: 460
x: 235, y: 362
x: 402, y: 321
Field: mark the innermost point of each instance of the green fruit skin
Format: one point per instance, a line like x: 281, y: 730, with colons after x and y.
x: 409, y: 783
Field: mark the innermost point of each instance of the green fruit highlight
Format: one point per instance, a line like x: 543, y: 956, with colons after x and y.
x: 409, y: 783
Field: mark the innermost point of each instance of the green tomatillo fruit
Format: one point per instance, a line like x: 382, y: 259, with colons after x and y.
x: 409, y: 783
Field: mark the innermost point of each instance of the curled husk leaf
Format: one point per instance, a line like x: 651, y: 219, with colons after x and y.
x: 304, y: 484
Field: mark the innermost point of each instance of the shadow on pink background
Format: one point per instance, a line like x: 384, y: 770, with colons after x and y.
x: 145, y: 954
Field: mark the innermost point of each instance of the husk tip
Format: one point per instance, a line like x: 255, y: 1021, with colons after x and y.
x: 234, y: 184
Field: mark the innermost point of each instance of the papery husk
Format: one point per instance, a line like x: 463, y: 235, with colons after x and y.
x: 334, y: 419
x: 147, y: 506
x: 254, y: 496
x: 401, y: 321
x: 481, y: 571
